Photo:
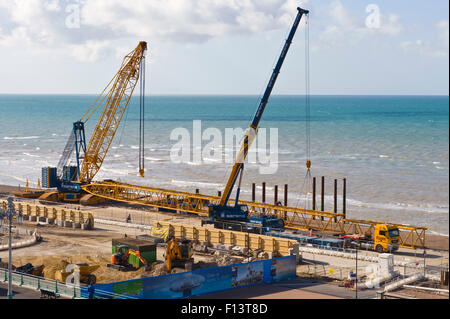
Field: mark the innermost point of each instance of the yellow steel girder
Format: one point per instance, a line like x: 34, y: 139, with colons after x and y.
x: 294, y: 218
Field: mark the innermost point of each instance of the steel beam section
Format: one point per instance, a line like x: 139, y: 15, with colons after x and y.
x: 294, y: 218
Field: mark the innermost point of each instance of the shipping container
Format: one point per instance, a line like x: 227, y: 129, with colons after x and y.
x: 147, y: 249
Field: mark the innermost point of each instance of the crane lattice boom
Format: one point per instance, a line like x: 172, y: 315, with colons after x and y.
x: 115, y: 103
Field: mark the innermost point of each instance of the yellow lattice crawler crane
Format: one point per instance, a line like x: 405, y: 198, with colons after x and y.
x: 112, y: 102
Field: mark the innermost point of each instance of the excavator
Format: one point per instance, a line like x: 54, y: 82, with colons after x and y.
x: 120, y: 261
x: 234, y: 217
x: 112, y: 102
x: 179, y: 254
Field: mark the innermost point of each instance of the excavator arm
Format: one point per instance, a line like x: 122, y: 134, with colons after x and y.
x: 138, y: 255
x: 173, y: 252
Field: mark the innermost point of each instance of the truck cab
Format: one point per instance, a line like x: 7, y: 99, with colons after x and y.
x: 386, y: 238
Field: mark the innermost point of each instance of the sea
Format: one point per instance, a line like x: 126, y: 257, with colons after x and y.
x: 393, y: 151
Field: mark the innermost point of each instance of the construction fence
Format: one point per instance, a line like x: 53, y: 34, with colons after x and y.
x: 64, y: 217
x: 271, y: 245
x: 204, y: 281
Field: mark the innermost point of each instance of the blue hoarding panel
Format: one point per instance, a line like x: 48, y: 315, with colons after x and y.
x: 203, y: 281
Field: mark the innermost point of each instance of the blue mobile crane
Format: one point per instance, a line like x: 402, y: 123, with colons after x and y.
x: 236, y: 217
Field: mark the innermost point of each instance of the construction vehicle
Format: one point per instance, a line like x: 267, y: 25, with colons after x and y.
x: 120, y: 261
x: 385, y: 238
x: 224, y: 216
x: 112, y: 102
x: 29, y: 269
x: 85, y: 271
x: 179, y: 254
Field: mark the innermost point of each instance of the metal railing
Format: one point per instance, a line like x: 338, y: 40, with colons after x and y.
x: 35, y: 282
x: 57, y: 287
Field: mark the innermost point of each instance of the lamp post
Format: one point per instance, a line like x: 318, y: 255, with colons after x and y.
x: 10, y: 213
x: 356, y: 279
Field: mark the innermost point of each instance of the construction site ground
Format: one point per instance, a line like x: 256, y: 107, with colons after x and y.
x: 61, y: 246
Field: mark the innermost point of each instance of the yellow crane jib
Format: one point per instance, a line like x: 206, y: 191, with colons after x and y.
x: 114, y: 101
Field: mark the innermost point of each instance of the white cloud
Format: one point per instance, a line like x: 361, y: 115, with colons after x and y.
x: 187, y: 21
x: 43, y: 24
x: 438, y: 47
x: 390, y: 25
x: 345, y: 27
x: 443, y: 33
x: 90, y: 51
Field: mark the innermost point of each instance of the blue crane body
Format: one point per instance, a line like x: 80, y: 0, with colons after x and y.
x: 223, y: 214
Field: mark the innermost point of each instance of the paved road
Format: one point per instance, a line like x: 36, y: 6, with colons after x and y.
x: 19, y: 292
x: 298, y: 288
x: 325, y: 288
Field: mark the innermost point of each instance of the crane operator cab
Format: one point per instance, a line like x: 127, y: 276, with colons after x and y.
x: 237, y: 212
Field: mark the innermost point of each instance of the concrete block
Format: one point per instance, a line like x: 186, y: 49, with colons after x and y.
x: 263, y: 255
x: 220, y: 253
x: 386, y: 264
x: 219, y: 246
x: 68, y: 224
x: 76, y: 225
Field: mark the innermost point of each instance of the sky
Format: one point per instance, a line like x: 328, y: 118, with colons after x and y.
x: 228, y: 47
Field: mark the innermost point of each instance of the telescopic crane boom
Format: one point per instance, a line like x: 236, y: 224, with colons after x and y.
x: 222, y: 210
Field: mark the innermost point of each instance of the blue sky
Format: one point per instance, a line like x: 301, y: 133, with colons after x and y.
x: 225, y: 46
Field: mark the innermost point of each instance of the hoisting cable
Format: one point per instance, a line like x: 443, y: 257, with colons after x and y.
x: 141, y: 117
x: 307, y: 184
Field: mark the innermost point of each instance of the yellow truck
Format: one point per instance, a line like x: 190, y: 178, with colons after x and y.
x: 385, y: 238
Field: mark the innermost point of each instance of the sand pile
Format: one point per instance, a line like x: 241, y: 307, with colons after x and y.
x: 103, y: 273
